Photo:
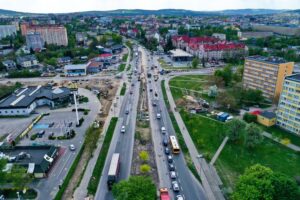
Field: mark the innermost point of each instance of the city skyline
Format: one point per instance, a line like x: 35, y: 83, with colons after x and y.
x: 56, y: 6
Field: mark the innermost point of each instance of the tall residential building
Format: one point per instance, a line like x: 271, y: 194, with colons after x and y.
x: 51, y: 34
x: 34, y: 41
x: 288, y: 113
x: 266, y: 74
x: 7, y: 30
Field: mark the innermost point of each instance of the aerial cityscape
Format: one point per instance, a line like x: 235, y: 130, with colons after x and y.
x: 154, y: 100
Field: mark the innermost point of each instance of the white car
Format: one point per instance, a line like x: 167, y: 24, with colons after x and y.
x: 175, y: 186
x: 158, y: 116
x: 179, y: 197
x: 72, y: 147
x: 123, y: 129
x: 173, y: 174
x: 163, y: 130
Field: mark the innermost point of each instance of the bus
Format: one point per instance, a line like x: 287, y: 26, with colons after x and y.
x: 114, y: 170
x: 174, y: 145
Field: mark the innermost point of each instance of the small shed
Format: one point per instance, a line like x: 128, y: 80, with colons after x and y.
x: 266, y: 118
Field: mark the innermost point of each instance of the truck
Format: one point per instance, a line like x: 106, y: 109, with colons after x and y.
x: 114, y: 170
x: 164, y: 194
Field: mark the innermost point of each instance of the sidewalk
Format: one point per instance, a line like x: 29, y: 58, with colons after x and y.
x: 290, y: 146
x: 209, y: 178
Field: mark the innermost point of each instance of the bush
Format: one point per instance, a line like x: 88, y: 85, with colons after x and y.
x: 145, y: 168
x: 24, y: 74
x: 144, y: 156
x: 85, y: 112
x: 80, y: 122
x: 33, y: 137
x: 51, y: 137
x: 249, y: 118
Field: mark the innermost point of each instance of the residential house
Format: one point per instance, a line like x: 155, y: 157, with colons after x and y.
x: 27, y: 61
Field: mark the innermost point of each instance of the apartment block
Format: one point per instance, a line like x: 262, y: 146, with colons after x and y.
x: 266, y: 74
x: 7, y: 30
x: 288, y: 113
x: 34, y: 41
x: 51, y: 34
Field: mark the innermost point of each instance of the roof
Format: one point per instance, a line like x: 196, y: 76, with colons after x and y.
x: 294, y: 77
x: 267, y: 114
x: 105, y: 55
x: 23, y: 97
x: 26, y: 58
x: 180, y: 53
x: 114, y: 164
x: 270, y: 60
x: 77, y: 66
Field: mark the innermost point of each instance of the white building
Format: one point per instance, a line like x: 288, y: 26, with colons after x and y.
x: 24, y: 100
x: 76, y: 70
x: 7, y: 30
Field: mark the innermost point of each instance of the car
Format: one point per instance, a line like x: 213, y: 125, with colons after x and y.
x: 171, y: 167
x: 179, y: 197
x: 70, y: 124
x: 163, y: 130
x: 167, y: 151
x: 175, y: 186
x: 123, y: 129
x: 153, y: 104
x: 172, y: 174
x: 170, y: 159
x: 132, y: 84
x: 127, y: 111
x: 158, y: 116
x: 165, y: 141
x: 155, y: 94
x: 51, y: 124
x: 150, y: 90
x: 40, y: 133
x: 131, y: 92
x: 72, y: 147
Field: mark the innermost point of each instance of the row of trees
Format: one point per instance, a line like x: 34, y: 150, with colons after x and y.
x: 239, y: 131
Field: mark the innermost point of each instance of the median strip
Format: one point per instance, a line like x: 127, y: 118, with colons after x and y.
x: 95, y: 178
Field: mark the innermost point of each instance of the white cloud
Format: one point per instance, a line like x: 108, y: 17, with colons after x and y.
x: 50, y: 6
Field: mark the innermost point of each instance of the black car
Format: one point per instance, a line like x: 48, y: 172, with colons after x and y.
x: 171, y: 167
x: 165, y: 141
x: 167, y: 151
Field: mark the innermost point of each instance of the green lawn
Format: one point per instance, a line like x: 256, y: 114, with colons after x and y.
x: 282, y: 134
x: 122, y: 67
x: 124, y: 58
x: 208, y: 134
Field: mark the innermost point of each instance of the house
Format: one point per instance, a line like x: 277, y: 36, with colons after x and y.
x: 9, y: 65
x: 64, y: 60
x: 94, y: 67
x: 76, y: 70
x: 117, y: 48
x: 27, y: 61
x: 266, y: 118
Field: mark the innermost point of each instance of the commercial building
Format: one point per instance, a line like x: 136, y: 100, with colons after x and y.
x: 34, y: 41
x: 266, y: 118
x: 75, y: 70
x: 7, y: 30
x: 288, y: 113
x: 266, y: 74
x: 27, y: 61
x: 180, y: 55
x: 51, y: 34
x: 24, y: 100
x: 38, y: 160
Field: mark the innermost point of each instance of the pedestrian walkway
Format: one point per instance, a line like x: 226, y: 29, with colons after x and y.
x: 290, y: 146
x: 208, y: 177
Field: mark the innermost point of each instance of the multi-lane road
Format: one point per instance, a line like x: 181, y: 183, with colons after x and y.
x: 190, y: 188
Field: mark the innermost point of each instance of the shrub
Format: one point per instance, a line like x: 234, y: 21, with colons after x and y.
x: 145, y: 168
x: 33, y: 137
x: 248, y: 117
x: 144, y: 156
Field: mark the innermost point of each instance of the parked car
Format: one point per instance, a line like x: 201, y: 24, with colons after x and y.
x: 40, y: 133
x: 179, y: 197
x: 175, y: 186
x: 158, y: 116
x: 72, y: 147
x: 51, y: 124
x: 170, y: 159
x: 171, y: 167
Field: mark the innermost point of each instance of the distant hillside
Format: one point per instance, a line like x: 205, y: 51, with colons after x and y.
x: 167, y: 12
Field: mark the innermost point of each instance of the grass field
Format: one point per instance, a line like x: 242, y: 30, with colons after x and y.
x: 122, y: 67
x: 208, y: 134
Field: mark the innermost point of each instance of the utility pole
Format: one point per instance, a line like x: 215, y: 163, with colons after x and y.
x: 76, y: 109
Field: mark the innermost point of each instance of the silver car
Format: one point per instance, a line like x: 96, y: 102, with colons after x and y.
x: 175, y: 186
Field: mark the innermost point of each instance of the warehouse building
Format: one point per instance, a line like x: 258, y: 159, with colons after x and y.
x: 24, y: 100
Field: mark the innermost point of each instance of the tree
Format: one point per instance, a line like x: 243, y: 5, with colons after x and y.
x: 213, y: 91
x: 253, y: 135
x: 260, y: 182
x: 145, y: 168
x: 248, y: 117
x: 235, y: 129
x: 136, y: 188
x: 226, y: 74
x: 227, y: 101
x: 19, y: 177
x: 195, y: 62
x: 169, y: 46
x: 144, y: 156
x: 2, y: 173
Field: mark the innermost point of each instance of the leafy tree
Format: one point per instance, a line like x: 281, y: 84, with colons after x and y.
x: 144, y: 156
x: 145, y: 168
x: 248, y: 117
x: 195, y: 62
x: 253, y: 135
x: 227, y: 101
x: 226, y: 74
x: 260, y: 182
x: 136, y: 188
x: 235, y: 129
x: 19, y: 177
x: 2, y: 174
x: 169, y: 46
x: 251, y: 96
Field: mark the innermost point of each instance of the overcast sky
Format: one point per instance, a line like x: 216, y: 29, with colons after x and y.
x: 56, y: 6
